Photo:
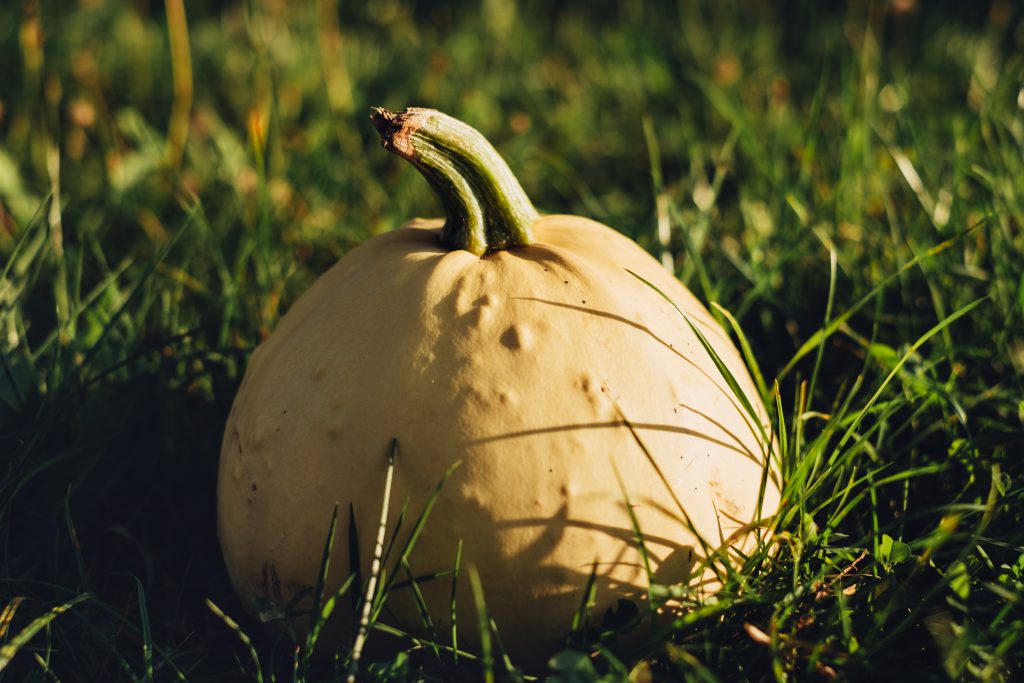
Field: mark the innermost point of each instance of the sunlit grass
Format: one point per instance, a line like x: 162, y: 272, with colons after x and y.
x: 842, y: 186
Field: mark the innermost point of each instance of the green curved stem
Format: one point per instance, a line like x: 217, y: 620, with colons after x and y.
x: 486, y: 208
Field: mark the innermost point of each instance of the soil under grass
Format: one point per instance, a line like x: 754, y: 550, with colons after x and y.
x: 846, y: 181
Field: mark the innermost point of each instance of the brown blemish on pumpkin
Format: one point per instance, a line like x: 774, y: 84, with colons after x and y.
x: 518, y: 337
x: 730, y: 506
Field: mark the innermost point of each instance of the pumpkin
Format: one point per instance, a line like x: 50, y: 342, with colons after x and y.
x: 542, y: 354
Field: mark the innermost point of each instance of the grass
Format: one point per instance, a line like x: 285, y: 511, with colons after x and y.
x: 844, y: 181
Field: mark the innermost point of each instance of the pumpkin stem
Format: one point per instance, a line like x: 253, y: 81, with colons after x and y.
x: 485, y: 205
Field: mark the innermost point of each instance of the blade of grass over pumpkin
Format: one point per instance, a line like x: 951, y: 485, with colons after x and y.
x: 414, y: 535
x: 421, y: 608
x: 423, y: 643
x: 587, y: 604
x: 780, y: 421
x: 421, y: 578
x: 9, y: 649
x: 818, y: 337
x: 762, y: 489
x: 354, y: 565
x: 375, y: 567
x: 500, y: 646
x: 748, y: 353
x: 751, y: 418
x: 242, y: 636
x: 456, y: 567
x: 483, y: 625
x: 315, y: 616
x: 393, y: 538
x: 687, y: 522
x: 319, y: 622
x: 638, y: 536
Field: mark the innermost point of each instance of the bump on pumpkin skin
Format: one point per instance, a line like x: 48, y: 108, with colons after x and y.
x: 535, y: 502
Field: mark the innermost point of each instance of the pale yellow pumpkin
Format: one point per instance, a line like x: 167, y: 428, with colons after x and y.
x: 546, y: 370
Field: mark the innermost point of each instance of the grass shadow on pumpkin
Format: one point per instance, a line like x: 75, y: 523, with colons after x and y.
x: 725, y: 391
x: 429, y: 583
x: 639, y: 426
x: 517, y: 625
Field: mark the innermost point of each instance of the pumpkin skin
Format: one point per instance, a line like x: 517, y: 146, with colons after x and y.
x: 522, y: 364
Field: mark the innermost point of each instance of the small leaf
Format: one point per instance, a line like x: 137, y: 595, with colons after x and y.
x: 892, y: 552
x: 570, y: 660
x: 960, y: 580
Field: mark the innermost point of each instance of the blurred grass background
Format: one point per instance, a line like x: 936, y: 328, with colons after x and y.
x: 173, y: 175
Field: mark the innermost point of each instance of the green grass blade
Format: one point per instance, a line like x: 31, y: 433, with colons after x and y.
x: 9, y: 649
x: 483, y: 625
x: 752, y: 419
x: 456, y: 566
x: 375, y: 567
x: 316, y: 614
x: 242, y: 636
x: 748, y: 353
x: 941, y: 325
x: 586, y: 607
x: 73, y: 536
x: 8, y: 612
x: 638, y: 535
x: 147, y: 631
x: 821, y: 335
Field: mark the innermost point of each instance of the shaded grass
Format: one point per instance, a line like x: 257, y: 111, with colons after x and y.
x: 849, y: 194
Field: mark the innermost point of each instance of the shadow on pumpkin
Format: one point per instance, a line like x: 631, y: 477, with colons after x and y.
x: 531, y: 625
x: 639, y: 426
x: 714, y: 381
